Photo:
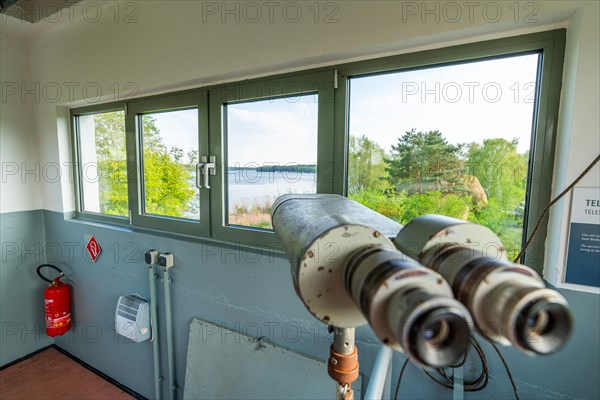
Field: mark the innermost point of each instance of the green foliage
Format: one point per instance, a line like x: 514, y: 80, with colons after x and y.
x: 403, y: 207
x: 436, y: 203
x: 391, y: 205
x: 366, y: 166
x: 424, y: 174
x: 503, y: 222
x: 113, y: 187
x: 167, y: 178
x: 297, y: 168
x: 109, y: 129
x: 425, y: 161
x: 501, y: 171
x: 110, y: 136
x: 167, y: 187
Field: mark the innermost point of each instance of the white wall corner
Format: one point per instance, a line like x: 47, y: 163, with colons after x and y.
x: 66, y: 161
x: 577, y: 141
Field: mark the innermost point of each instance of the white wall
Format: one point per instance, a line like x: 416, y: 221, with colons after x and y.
x: 21, y: 230
x: 19, y: 157
x: 578, y: 138
x: 179, y: 44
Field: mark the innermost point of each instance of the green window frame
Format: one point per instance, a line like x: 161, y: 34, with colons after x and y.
x: 332, y: 86
x: 135, y: 110
x: 320, y: 84
x: 550, y: 45
x: 79, y: 165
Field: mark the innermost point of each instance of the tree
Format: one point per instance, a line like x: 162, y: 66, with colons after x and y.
x: 426, y: 174
x: 166, y: 179
x: 166, y: 183
x: 366, y: 167
x: 501, y: 170
x: 423, y: 175
x: 424, y: 161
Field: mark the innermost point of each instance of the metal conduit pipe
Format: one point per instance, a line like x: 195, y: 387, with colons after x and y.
x: 155, y: 341
x: 166, y: 261
x: 151, y: 258
x: 379, y: 374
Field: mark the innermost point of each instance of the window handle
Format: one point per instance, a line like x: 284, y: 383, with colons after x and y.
x: 199, y: 168
x: 209, y: 168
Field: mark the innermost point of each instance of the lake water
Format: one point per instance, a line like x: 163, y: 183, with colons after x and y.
x: 249, y: 187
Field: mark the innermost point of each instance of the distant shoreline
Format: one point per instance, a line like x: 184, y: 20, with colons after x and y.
x: 304, y: 168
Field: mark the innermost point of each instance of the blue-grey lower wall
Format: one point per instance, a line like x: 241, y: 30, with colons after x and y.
x: 237, y: 287
x: 21, y: 291
x: 252, y: 292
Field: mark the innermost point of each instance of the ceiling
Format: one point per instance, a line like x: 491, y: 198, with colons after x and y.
x: 33, y: 10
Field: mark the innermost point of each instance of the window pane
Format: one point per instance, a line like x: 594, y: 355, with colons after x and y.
x: 271, y: 151
x: 451, y: 140
x: 103, y: 163
x: 170, y: 142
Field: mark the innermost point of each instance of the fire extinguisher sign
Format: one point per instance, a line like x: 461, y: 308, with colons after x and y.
x: 93, y: 248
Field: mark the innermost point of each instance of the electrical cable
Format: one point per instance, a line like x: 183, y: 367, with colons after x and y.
x: 400, y: 379
x: 470, y: 386
x: 474, y: 385
x: 547, y: 208
x: 510, y: 377
x: 139, y: 296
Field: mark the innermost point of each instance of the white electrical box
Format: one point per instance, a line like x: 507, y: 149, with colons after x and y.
x: 132, y: 318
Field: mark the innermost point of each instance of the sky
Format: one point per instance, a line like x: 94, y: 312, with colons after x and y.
x: 273, y: 131
x: 466, y: 102
x: 269, y: 131
x: 178, y: 129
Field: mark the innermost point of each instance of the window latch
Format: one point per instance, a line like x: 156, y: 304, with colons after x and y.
x: 199, y: 168
x: 208, y: 167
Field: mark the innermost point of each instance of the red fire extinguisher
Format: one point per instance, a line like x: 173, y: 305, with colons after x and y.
x: 57, y: 300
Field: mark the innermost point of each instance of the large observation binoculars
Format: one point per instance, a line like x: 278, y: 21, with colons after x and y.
x: 348, y: 273
x: 421, y: 287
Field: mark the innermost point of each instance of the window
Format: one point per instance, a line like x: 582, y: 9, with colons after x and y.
x: 169, y: 157
x: 466, y: 131
x: 169, y: 138
x: 452, y: 140
x: 102, y: 163
x: 272, y: 137
x: 271, y: 151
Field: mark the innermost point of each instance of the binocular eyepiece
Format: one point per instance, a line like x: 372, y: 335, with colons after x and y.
x: 410, y: 308
x: 348, y: 274
x: 509, y: 302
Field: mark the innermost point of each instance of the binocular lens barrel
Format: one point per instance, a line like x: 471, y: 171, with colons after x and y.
x: 509, y: 302
x: 540, y: 318
x: 440, y: 337
x: 409, y: 307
